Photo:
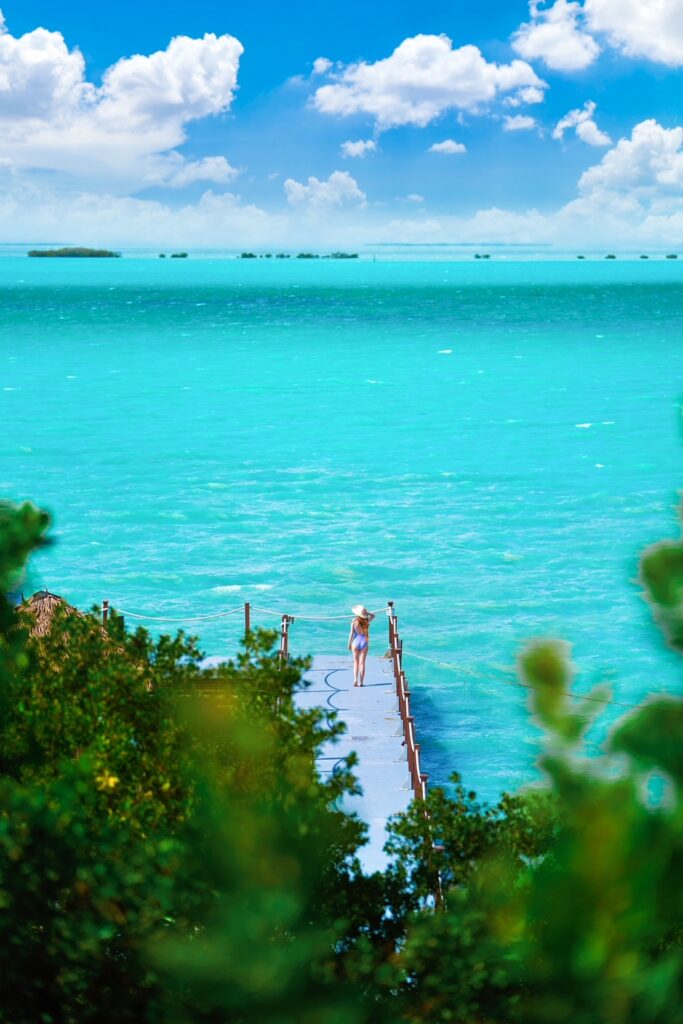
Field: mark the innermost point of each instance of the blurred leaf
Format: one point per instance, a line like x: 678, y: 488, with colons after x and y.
x: 661, y: 571
x: 653, y: 736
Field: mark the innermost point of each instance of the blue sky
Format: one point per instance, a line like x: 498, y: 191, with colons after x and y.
x: 554, y: 122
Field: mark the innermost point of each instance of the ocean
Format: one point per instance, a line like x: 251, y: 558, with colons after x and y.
x: 489, y: 444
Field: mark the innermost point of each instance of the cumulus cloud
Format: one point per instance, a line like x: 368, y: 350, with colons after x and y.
x: 563, y: 35
x: 518, y: 123
x: 554, y: 36
x: 649, y: 164
x: 340, y: 189
x: 633, y: 196
x: 531, y: 94
x: 210, y: 168
x: 358, y: 148
x: 423, y: 78
x: 32, y: 209
x: 448, y: 146
x: 321, y: 65
x: 122, y: 133
x: 640, y: 28
x: 583, y: 123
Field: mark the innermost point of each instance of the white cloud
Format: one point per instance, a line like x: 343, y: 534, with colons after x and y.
x: 649, y: 164
x: 531, y: 94
x: 210, y: 168
x: 584, y: 124
x: 448, y: 146
x: 563, y: 34
x: 554, y: 36
x: 29, y: 209
x: 518, y: 123
x: 415, y: 197
x: 39, y: 76
x: 123, y: 133
x: 340, y: 189
x: 423, y: 78
x: 358, y: 148
x: 641, y: 28
x: 589, y: 132
x: 321, y: 65
x: 632, y: 197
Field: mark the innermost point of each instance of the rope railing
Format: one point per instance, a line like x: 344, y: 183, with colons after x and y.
x: 286, y: 620
x: 509, y: 672
x: 165, y: 618
x: 418, y: 778
x: 311, y: 618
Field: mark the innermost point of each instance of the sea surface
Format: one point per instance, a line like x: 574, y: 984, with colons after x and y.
x: 489, y: 444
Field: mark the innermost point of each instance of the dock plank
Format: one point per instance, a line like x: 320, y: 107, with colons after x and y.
x: 374, y: 731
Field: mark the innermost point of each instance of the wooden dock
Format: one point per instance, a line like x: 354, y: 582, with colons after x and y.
x: 379, y: 728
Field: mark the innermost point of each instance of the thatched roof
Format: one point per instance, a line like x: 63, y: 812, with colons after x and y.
x: 40, y: 611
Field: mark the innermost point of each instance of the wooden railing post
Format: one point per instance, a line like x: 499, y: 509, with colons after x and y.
x: 390, y: 606
x: 105, y: 612
x: 284, y: 637
x: 247, y: 618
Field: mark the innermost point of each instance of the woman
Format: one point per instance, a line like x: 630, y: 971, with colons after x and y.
x: 359, y: 641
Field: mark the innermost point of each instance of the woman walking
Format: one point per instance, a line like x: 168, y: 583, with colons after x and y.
x: 359, y: 641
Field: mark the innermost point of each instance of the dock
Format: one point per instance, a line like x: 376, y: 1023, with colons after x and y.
x: 381, y: 731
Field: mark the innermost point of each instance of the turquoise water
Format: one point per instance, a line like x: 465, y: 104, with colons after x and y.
x: 488, y: 444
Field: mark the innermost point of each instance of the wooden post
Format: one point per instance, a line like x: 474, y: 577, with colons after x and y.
x: 105, y: 612
x: 284, y: 638
x: 390, y: 605
x: 247, y: 618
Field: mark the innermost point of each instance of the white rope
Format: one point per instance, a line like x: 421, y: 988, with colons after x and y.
x: 518, y: 682
x: 443, y: 664
x: 310, y: 618
x: 163, y: 618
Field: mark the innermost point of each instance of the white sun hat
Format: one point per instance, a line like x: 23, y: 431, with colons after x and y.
x: 361, y: 611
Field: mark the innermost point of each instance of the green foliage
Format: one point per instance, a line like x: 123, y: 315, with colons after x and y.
x: 167, y: 849
x: 661, y: 571
x: 75, y: 251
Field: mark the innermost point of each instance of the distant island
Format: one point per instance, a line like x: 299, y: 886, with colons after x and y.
x: 75, y: 251
x: 299, y: 256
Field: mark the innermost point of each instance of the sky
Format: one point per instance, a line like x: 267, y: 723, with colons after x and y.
x: 346, y: 124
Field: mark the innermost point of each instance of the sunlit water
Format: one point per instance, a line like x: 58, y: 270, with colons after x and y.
x: 490, y: 445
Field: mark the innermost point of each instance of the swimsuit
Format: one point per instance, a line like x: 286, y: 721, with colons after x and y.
x: 360, y: 641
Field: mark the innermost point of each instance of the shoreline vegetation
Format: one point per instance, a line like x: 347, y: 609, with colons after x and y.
x: 88, y: 253
x: 77, y: 252
x: 169, y: 851
x: 299, y: 256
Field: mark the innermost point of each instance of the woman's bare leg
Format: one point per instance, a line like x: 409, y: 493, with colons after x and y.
x: 356, y: 658
x: 362, y: 656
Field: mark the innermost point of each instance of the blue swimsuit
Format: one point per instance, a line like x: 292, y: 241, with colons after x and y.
x: 360, y: 641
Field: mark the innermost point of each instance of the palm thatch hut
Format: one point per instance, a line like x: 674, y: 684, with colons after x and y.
x: 39, y: 611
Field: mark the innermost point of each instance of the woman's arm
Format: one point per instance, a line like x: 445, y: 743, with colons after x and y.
x: 351, y: 638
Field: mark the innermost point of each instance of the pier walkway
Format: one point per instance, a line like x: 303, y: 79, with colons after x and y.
x: 379, y: 728
x: 374, y: 730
